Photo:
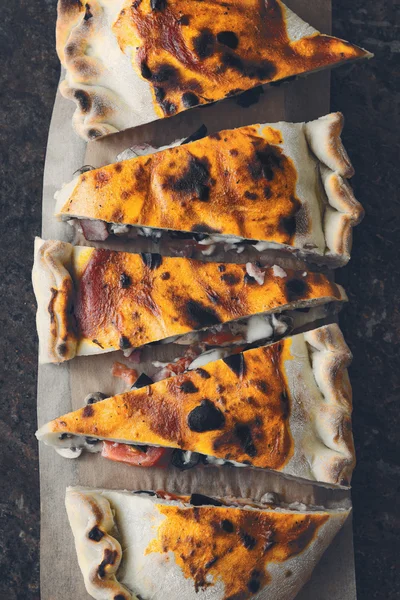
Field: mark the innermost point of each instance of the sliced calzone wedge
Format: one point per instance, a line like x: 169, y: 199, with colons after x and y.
x: 129, y: 63
x: 96, y: 300
x: 275, y: 186
x: 285, y: 407
x: 155, y: 546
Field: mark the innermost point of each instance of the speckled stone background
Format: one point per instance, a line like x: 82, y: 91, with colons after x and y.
x: 368, y: 94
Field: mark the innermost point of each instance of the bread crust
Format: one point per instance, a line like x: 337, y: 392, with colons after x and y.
x: 161, y: 297
x: 296, y: 541
x: 114, y: 75
x: 54, y: 290
x: 284, y: 184
x: 342, y: 211
x: 285, y: 407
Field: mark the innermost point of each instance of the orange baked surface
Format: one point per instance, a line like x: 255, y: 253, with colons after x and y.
x: 236, y: 409
x: 215, y: 542
x: 237, y: 182
x: 197, y: 51
x: 127, y: 300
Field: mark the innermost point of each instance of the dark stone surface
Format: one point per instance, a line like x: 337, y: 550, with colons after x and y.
x: 368, y: 95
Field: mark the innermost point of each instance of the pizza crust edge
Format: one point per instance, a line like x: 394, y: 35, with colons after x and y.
x: 330, y: 357
x: 53, y: 287
x: 343, y: 211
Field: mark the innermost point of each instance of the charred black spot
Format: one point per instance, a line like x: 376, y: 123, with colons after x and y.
x: 152, y: 261
x: 95, y: 534
x: 206, y: 417
x: 201, y: 316
x: 125, y: 281
x: 124, y: 343
x: 88, y: 15
x: 200, y: 500
x: 221, y: 268
x: 288, y: 224
x: 62, y: 349
x: 108, y: 559
x: 236, y: 363
x: 295, y: 289
x: 228, y: 38
x: 165, y: 276
x: 145, y: 70
x: 158, y: 4
x: 230, y: 278
x: 262, y: 386
x: 211, y: 562
x: 232, y: 61
x: 168, y: 107
x: 159, y: 93
x: 267, y: 162
x: 249, y: 97
x: 248, y: 541
x: 253, y: 585
x: 243, y: 434
x: 264, y: 71
x: 195, y: 179
x: 93, y: 134
x: 88, y: 411
x: 142, y: 381
x: 199, y: 134
x: 285, y: 405
x: 203, y: 373
x: 227, y: 526
x: 250, y: 195
x: 189, y: 99
x: 185, y: 20
x: 164, y: 73
x: 188, y: 387
x: 204, y: 44
x: 267, y: 192
x: 84, y: 100
x: 203, y: 228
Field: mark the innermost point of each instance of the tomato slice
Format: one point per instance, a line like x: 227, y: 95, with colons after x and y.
x: 125, y: 373
x: 220, y: 338
x: 151, y: 457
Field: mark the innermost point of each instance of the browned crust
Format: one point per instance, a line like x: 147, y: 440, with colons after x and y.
x: 54, y: 291
x: 99, y: 552
x: 343, y: 212
x: 174, y: 296
x: 200, y: 76
x: 330, y: 358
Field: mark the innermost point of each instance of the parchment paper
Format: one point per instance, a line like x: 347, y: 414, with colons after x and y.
x: 62, y: 388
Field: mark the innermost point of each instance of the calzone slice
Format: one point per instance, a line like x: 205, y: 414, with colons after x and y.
x: 285, y: 407
x: 96, y: 300
x: 129, y: 63
x: 280, y: 186
x: 158, y: 545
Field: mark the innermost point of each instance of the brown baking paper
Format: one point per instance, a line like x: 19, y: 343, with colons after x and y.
x: 63, y: 388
